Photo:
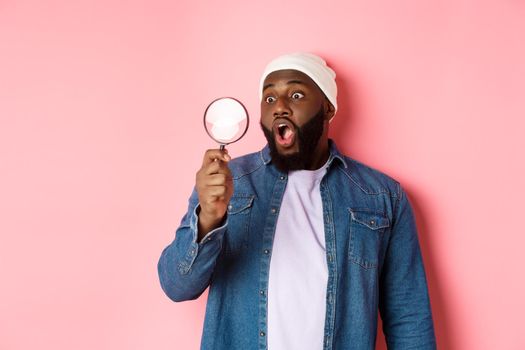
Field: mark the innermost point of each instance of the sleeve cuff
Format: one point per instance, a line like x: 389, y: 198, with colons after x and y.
x: 214, y: 234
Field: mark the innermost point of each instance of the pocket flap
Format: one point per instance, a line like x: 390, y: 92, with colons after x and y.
x: 240, y: 203
x: 373, y: 220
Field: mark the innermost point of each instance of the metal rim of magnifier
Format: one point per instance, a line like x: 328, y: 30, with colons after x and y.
x: 223, y: 144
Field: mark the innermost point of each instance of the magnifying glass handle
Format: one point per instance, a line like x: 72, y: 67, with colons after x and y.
x: 221, y: 147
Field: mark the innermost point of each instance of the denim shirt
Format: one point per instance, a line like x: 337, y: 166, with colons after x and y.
x: 372, y: 251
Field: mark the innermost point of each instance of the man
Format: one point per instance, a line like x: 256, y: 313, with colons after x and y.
x: 300, y: 245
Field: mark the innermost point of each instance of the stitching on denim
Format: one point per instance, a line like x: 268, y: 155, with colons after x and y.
x: 340, y: 158
x: 397, y: 201
x: 246, y: 218
x: 183, y: 269
x: 359, y: 260
x: 359, y: 184
x: 375, y: 213
x: 248, y: 173
x: 262, y: 158
x: 192, y: 258
x: 364, y: 264
x: 326, y: 196
x: 248, y: 204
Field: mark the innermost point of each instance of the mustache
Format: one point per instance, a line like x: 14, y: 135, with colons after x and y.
x: 271, y: 130
x: 288, y: 120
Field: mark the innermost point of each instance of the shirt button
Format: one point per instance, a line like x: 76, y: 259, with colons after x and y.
x: 266, y: 251
x: 372, y: 222
x: 262, y: 292
x: 262, y: 334
x: 230, y: 207
x: 193, y: 252
x: 273, y: 210
x: 282, y: 177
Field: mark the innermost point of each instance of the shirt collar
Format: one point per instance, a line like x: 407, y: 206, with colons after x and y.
x: 335, y: 154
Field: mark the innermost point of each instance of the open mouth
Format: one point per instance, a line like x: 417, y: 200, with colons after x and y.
x: 284, y: 132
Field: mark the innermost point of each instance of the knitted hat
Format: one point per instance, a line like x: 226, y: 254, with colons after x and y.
x: 312, y: 65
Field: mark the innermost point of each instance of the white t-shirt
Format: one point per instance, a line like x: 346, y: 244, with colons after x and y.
x: 298, y: 268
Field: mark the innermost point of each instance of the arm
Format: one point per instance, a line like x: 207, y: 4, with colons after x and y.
x: 404, y: 302
x: 186, y: 265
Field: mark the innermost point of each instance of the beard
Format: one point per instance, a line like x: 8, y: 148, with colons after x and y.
x: 307, y: 136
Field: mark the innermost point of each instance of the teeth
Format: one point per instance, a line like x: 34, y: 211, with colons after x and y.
x: 281, y: 127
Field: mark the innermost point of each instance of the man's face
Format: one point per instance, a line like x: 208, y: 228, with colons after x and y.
x: 294, y: 113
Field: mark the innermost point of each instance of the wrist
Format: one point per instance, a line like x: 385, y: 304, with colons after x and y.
x: 207, y: 223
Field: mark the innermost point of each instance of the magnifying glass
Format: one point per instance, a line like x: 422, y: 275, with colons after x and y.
x: 226, y: 120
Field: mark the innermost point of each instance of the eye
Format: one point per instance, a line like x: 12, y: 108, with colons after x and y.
x: 297, y: 95
x: 269, y: 99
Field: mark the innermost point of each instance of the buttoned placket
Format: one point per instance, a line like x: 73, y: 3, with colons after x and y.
x: 268, y: 237
x: 331, y: 258
x: 266, y: 249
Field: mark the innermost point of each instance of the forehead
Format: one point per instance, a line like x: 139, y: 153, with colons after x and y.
x: 289, y: 76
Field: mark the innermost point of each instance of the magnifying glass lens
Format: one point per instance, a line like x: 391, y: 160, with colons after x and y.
x: 226, y: 120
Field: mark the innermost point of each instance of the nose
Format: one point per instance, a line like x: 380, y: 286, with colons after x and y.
x: 281, y: 108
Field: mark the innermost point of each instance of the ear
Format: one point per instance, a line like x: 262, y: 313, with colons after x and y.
x: 330, y: 110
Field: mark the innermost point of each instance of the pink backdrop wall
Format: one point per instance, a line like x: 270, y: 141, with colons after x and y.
x: 100, y: 138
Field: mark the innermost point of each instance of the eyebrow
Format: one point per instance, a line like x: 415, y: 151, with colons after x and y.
x: 288, y: 83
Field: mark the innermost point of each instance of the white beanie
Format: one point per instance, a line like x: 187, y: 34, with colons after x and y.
x: 312, y: 65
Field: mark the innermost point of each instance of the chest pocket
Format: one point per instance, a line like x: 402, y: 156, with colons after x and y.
x: 366, y: 234
x: 239, y: 213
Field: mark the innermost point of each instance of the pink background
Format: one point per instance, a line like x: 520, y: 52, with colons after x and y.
x: 101, y: 136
